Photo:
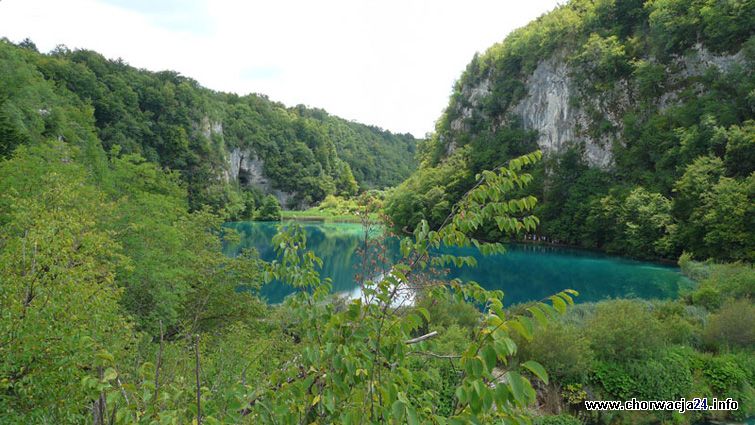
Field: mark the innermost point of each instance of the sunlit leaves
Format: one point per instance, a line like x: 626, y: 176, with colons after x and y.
x: 537, y: 369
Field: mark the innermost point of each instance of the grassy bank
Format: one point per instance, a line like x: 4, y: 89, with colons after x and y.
x: 315, y: 214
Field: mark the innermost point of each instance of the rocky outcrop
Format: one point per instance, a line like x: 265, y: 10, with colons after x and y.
x: 549, y: 106
x: 696, y: 63
x: 548, y: 109
x: 246, y: 168
x: 243, y: 165
x: 208, y: 127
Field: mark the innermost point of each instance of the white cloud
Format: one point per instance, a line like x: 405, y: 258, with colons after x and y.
x: 391, y: 63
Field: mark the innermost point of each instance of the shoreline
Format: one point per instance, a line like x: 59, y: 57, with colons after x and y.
x: 353, y: 219
x: 329, y: 218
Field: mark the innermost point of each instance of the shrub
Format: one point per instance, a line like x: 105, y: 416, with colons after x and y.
x: 556, y: 420
x: 707, y: 296
x: 624, y: 330
x: 694, y: 270
x: 564, y: 353
x: 337, y: 205
x: 732, y: 326
x: 666, y: 378
x: 445, y: 313
x: 679, y: 324
x: 725, y: 281
x: 724, y: 374
x: 270, y: 210
x: 614, y: 379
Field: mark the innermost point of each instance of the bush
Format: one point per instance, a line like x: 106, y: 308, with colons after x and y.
x: 681, y: 324
x: 337, y: 205
x: 624, y: 330
x: 446, y: 313
x: 694, y: 270
x: 564, y: 353
x: 666, y: 378
x: 270, y: 210
x: 708, y: 297
x: 725, y: 282
x: 732, y: 326
x: 556, y: 420
x: 724, y: 374
x: 614, y: 378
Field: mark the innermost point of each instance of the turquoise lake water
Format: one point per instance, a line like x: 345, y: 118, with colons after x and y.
x: 524, y: 272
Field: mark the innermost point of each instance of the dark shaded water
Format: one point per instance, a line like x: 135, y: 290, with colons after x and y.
x: 524, y: 273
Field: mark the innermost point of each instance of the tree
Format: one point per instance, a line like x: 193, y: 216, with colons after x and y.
x: 61, y: 317
x: 715, y: 211
x: 640, y: 224
x: 10, y: 137
x: 647, y: 222
x: 346, y: 185
x: 603, y: 58
x: 270, y: 209
x: 727, y: 214
x: 740, y: 149
x: 698, y: 179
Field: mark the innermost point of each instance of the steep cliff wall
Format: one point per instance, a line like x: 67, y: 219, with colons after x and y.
x: 562, y: 115
x: 248, y: 170
x: 549, y: 110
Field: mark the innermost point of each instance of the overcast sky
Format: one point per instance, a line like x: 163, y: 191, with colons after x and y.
x: 390, y: 63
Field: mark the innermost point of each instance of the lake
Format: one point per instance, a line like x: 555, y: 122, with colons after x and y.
x: 524, y: 273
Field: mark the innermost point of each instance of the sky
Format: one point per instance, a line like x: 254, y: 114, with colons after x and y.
x: 390, y: 63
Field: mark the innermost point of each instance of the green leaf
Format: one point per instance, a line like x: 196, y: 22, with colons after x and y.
x: 398, y: 410
x: 537, y: 369
x: 519, y: 327
x: 104, y: 355
x: 489, y: 356
x: 110, y: 374
x: 558, y: 304
x: 411, y: 416
x: 423, y: 311
x: 538, y: 315
x: 473, y: 367
x: 517, y: 386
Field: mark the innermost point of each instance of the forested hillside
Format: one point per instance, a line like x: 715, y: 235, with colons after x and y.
x: 301, y: 155
x: 644, y: 110
x: 118, y: 306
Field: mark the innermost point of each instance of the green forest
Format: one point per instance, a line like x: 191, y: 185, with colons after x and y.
x: 118, y: 305
x: 172, y: 121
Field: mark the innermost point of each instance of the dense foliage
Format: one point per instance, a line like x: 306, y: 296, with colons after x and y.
x: 667, y: 88
x: 171, y: 120
x: 117, y: 305
x: 115, y: 295
x: 699, y: 345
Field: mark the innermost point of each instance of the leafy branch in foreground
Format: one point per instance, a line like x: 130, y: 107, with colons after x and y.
x: 356, y: 362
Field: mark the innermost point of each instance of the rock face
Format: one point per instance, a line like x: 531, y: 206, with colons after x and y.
x: 246, y: 168
x: 548, y: 110
x: 209, y: 128
x: 243, y: 165
x: 549, y: 106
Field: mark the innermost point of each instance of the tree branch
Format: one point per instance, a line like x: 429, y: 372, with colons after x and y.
x: 421, y: 338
